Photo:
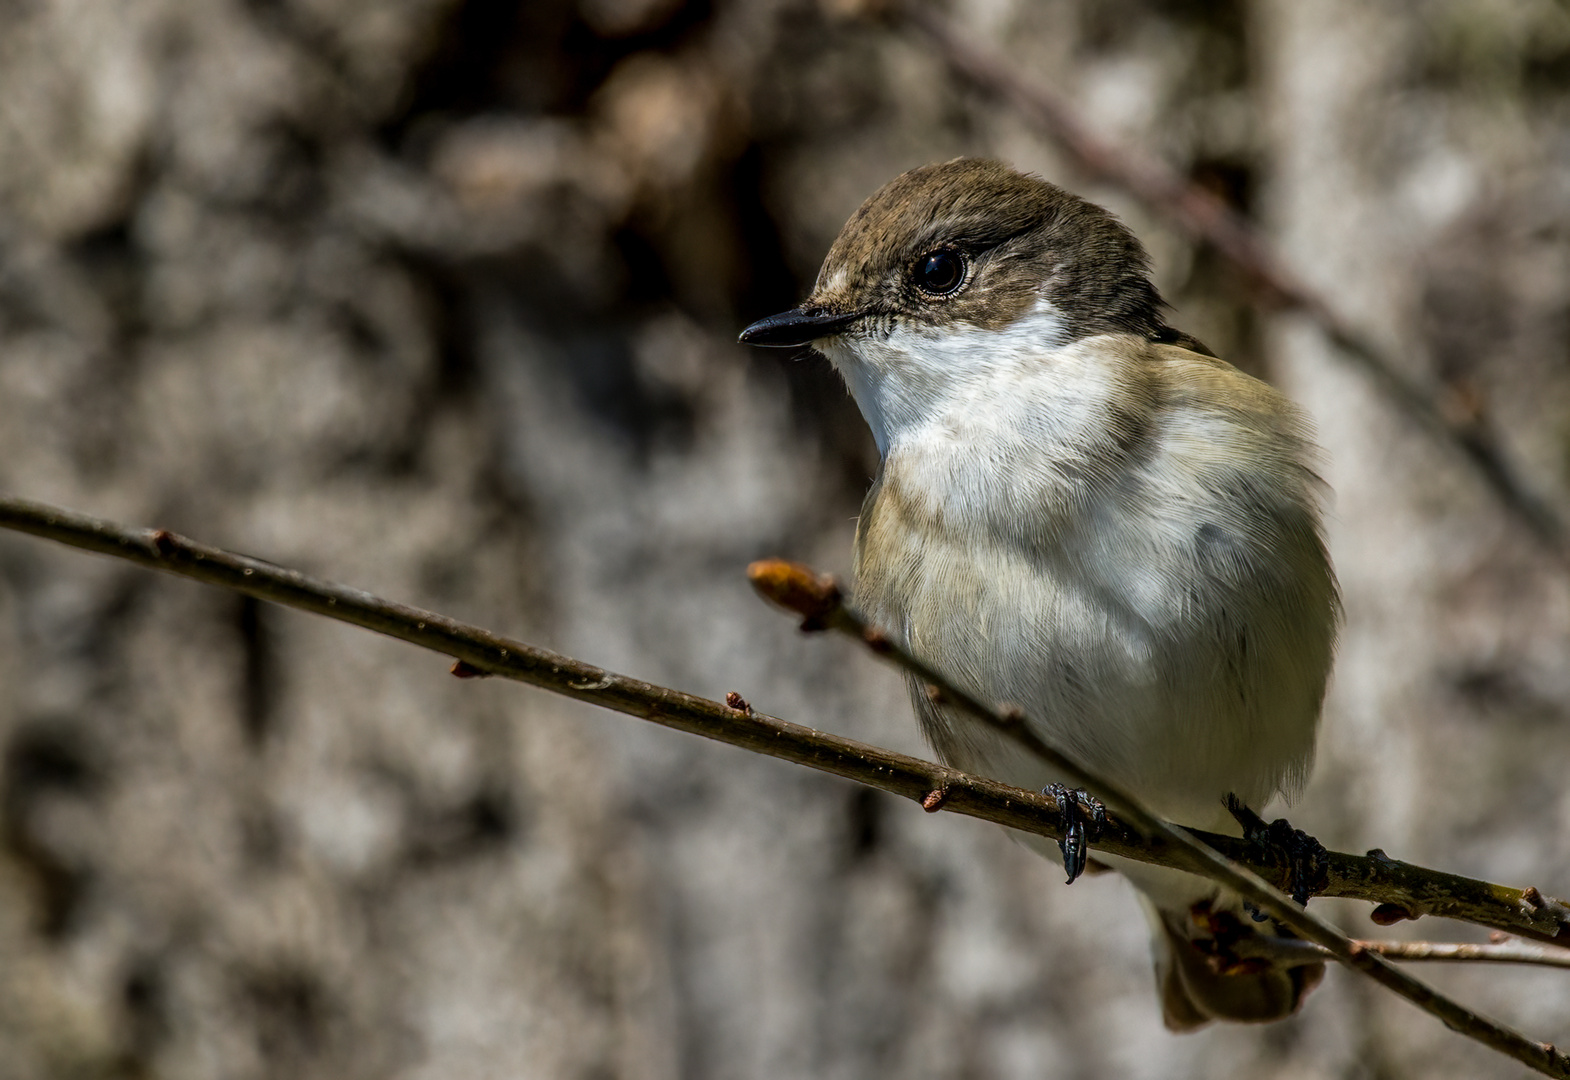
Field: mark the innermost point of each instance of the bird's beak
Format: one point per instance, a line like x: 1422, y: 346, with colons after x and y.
x: 798, y: 326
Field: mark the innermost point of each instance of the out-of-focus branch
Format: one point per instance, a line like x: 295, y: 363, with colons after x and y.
x: 820, y: 602
x: 480, y: 652
x: 1290, y: 952
x: 1452, y: 417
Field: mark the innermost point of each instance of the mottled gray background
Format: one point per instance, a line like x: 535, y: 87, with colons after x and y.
x: 437, y: 297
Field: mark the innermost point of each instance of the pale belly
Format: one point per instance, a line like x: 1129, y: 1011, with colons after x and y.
x: 1118, y: 665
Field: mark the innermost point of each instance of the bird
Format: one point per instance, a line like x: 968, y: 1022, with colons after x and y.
x: 1085, y: 515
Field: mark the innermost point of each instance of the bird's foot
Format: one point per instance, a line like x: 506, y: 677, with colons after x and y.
x: 1082, y: 817
x: 1304, y: 859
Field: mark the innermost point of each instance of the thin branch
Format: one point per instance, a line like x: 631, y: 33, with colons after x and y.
x: 820, y: 602
x: 1402, y: 890
x: 1290, y: 952
x: 480, y: 652
x: 1504, y: 952
x: 1450, y: 415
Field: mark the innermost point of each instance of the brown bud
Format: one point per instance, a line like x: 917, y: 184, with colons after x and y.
x: 1390, y: 914
x: 794, y: 587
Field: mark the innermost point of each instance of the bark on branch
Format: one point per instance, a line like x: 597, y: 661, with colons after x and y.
x: 1291, y: 951
x: 820, y: 602
x: 1132, y: 831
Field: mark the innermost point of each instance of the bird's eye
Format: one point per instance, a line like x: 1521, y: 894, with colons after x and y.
x: 940, y: 272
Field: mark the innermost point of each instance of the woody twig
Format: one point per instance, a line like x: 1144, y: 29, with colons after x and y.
x: 820, y: 602
x: 1133, y: 832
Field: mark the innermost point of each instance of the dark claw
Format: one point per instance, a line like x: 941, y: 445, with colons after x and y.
x: 1254, y: 826
x: 1305, y: 860
x: 1082, y: 818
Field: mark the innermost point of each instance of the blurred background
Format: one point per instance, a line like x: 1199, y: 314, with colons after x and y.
x: 438, y: 298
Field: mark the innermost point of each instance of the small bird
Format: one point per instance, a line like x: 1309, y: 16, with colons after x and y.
x: 1086, y: 514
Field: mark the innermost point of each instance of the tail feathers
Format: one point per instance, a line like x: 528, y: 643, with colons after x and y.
x: 1199, y: 983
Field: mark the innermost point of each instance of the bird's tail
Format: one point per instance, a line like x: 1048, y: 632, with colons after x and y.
x: 1201, y: 978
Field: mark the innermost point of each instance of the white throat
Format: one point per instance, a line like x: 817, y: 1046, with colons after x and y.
x: 915, y: 375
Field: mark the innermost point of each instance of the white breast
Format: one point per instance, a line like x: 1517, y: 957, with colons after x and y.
x: 1121, y: 539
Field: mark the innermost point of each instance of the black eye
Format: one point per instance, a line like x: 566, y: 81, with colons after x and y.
x: 940, y: 272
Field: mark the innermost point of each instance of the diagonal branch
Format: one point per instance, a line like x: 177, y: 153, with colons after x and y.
x: 1403, y: 890
x: 820, y: 602
x: 1411, y: 889
x: 1450, y: 416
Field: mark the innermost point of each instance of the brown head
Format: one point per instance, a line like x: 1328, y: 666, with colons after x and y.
x: 973, y: 242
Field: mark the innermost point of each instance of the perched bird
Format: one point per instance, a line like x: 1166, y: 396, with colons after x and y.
x: 1082, y: 512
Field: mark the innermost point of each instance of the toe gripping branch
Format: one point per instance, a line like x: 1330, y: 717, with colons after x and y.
x: 1082, y: 818
x: 1303, y: 860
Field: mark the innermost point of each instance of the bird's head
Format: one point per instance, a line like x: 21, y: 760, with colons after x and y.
x: 953, y: 269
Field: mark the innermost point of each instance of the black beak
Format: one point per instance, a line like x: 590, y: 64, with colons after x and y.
x: 798, y: 326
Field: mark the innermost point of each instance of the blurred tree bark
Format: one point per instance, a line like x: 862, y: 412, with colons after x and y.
x: 437, y: 296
